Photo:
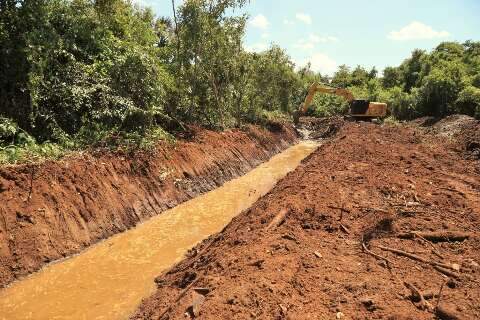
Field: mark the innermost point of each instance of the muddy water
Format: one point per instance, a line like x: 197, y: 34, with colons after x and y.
x: 109, y: 280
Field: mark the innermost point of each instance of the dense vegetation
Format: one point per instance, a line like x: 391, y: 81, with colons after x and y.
x: 439, y: 83
x: 78, y: 73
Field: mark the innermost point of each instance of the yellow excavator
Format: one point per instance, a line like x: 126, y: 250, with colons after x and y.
x: 359, y: 109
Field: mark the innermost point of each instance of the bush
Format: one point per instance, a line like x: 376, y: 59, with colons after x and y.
x: 440, y: 89
x: 468, y: 102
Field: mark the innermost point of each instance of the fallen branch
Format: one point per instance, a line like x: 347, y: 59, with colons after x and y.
x: 344, y: 229
x: 278, y: 219
x: 439, y: 236
x: 415, y: 257
x: 389, y: 263
x: 440, y: 293
x: 447, y: 272
x: 417, y: 295
x: 434, y: 250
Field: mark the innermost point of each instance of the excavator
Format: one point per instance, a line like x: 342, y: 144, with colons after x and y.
x: 359, y: 109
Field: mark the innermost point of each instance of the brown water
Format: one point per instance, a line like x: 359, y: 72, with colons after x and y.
x: 109, y: 280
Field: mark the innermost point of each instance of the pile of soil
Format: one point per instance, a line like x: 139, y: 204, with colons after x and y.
x: 319, y: 128
x: 376, y: 224
x: 463, y: 131
x: 52, y: 210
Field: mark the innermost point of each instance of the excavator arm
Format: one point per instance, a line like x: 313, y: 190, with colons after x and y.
x: 317, y: 87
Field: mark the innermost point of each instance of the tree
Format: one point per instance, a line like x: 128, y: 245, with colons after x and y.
x: 342, y: 77
x: 391, y: 77
x: 359, y: 76
x: 440, y: 89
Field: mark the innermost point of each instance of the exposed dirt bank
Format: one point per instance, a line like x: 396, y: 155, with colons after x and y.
x: 321, y: 244
x: 71, y: 204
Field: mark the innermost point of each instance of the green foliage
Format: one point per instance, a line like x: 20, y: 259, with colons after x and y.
x: 468, y: 102
x: 107, y: 73
x: 439, y: 83
x: 439, y: 90
x: 84, y: 63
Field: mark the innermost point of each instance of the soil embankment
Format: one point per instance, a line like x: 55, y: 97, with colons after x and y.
x: 375, y: 224
x: 56, y: 209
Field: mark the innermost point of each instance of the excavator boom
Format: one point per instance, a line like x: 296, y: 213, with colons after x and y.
x: 317, y: 87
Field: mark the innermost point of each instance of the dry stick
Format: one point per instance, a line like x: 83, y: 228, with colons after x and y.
x: 447, y: 272
x: 415, y: 257
x: 389, y: 263
x: 345, y: 229
x: 438, y: 236
x: 434, y: 250
x: 278, y: 219
x: 440, y: 293
x: 424, y: 305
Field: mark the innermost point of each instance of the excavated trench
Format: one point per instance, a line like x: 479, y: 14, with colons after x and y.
x: 108, y: 280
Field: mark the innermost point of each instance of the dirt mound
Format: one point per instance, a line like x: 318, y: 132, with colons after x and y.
x: 56, y: 209
x: 461, y: 130
x: 319, y: 128
x: 368, y: 227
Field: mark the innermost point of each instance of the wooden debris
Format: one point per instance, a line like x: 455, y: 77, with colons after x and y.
x: 389, y: 263
x: 418, y: 296
x: 344, y: 229
x: 447, y: 272
x: 278, y: 219
x: 415, y: 257
x: 438, y: 236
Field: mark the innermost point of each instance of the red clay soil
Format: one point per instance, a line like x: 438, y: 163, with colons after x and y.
x: 370, y: 185
x: 71, y: 204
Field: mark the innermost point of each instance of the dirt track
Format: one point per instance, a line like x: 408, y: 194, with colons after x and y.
x: 371, y: 185
x: 52, y: 210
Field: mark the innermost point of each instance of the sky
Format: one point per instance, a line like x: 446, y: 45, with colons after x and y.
x: 369, y: 33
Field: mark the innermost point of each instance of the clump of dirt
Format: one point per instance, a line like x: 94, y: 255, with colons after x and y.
x: 300, y: 252
x: 55, y: 209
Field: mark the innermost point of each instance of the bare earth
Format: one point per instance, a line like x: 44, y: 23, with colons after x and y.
x: 373, y: 218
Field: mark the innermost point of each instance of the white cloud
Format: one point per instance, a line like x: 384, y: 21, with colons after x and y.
x: 312, y: 40
x: 259, y: 21
x: 305, y: 18
x: 417, y: 31
x: 320, y: 62
x: 288, y: 22
x: 257, y: 47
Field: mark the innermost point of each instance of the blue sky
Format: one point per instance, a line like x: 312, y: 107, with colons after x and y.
x: 353, y: 32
